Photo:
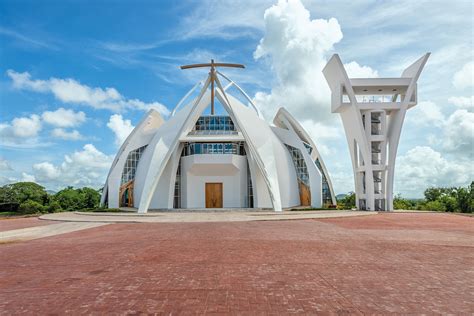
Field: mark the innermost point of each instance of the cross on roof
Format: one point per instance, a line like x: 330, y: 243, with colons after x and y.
x: 212, y: 74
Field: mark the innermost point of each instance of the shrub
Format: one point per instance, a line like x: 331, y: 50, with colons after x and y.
x: 347, y: 202
x: 31, y: 207
x: 54, y: 207
x: 435, y: 206
x: 400, y: 203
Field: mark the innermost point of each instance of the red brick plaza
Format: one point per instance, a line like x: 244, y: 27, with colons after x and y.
x: 390, y: 263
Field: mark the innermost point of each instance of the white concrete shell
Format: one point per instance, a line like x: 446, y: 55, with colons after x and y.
x: 139, y: 137
x: 285, y: 120
x: 267, y: 160
x: 381, y: 104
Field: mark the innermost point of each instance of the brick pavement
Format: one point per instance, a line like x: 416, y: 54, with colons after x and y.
x: 389, y: 263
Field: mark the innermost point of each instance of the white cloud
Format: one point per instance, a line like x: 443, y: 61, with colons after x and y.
x: 20, y: 130
x: 25, y: 177
x: 5, y: 165
x: 87, y: 167
x: 296, y: 47
x: 26, y: 126
x: 422, y: 167
x: 463, y: 102
x: 354, y: 70
x: 427, y: 113
x: 64, y: 117
x: 72, y: 91
x: 64, y: 134
x: 458, y: 132
x: 121, y: 128
x: 46, y: 171
x: 222, y: 19
x: 464, y: 78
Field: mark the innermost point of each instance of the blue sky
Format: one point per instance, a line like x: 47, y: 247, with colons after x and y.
x: 76, y: 76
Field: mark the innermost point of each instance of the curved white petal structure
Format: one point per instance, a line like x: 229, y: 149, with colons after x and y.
x: 245, y: 164
x: 285, y: 120
x: 140, y: 136
x: 372, y: 112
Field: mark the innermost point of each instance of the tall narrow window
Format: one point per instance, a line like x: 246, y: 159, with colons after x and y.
x: 249, y: 187
x: 301, y: 174
x: 128, y: 177
x: 326, y: 192
x: 177, y: 187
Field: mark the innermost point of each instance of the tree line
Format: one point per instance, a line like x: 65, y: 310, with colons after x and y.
x: 32, y: 198
x: 450, y: 199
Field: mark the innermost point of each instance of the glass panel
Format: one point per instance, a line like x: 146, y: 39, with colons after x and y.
x: 131, y: 164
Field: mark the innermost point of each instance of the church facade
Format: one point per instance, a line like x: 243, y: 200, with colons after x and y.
x: 199, y: 159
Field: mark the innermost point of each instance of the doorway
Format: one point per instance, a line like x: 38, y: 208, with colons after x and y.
x: 213, y: 195
x: 305, y: 194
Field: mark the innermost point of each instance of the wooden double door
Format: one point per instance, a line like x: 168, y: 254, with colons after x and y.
x: 213, y: 195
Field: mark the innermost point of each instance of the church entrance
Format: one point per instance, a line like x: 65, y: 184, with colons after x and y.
x: 213, y: 195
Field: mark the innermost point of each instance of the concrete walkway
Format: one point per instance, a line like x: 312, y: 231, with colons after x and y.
x: 44, y: 231
x: 195, y: 216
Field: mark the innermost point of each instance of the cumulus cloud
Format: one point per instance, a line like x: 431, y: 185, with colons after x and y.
x: 422, y: 167
x: 87, y: 167
x: 458, y: 132
x: 296, y: 47
x: 20, y: 130
x: 64, y: 134
x: 71, y: 91
x: 427, y: 113
x: 25, y: 177
x: 463, y: 102
x: 26, y: 126
x: 46, y: 171
x: 121, y: 128
x: 354, y: 70
x: 464, y: 77
x: 64, y: 117
x: 5, y: 165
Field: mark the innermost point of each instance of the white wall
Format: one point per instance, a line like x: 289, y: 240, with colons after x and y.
x: 197, y: 170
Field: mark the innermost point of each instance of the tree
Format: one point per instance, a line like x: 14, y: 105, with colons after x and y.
x: 91, y: 198
x: 71, y: 199
x: 347, y: 202
x: 465, y: 199
x: 22, y: 191
x: 400, y: 203
x: 30, y: 207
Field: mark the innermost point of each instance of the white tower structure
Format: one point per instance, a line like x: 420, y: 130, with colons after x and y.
x: 372, y: 112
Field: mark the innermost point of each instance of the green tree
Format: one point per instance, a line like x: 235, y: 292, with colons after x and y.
x: 465, y: 199
x: 347, y: 202
x: 69, y: 199
x: 91, y: 198
x: 54, y: 207
x: 435, y: 206
x: 31, y: 207
x: 23, y: 191
x: 400, y: 203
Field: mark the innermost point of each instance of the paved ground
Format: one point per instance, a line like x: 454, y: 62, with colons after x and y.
x: 9, y: 223
x: 198, y: 216
x: 390, y: 263
x: 57, y: 228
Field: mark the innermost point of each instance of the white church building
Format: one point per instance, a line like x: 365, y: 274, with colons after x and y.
x: 199, y: 159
